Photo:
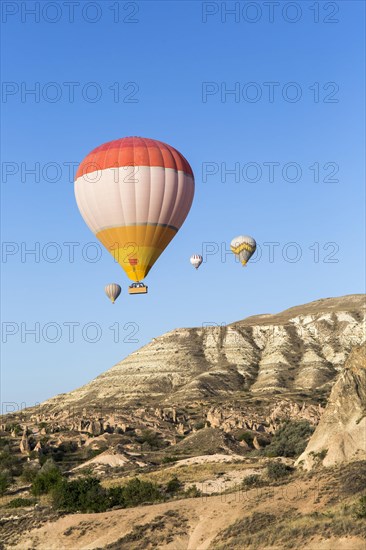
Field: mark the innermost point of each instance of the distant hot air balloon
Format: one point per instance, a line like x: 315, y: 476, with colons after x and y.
x: 134, y: 194
x: 196, y: 260
x: 113, y: 291
x: 243, y: 247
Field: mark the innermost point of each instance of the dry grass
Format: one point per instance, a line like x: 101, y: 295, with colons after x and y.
x: 186, y: 473
x: 290, y: 530
x: 154, y: 534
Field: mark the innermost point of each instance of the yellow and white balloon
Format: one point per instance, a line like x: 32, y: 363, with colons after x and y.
x: 243, y: 247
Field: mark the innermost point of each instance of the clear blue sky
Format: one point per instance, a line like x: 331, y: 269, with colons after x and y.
x: 172, y: 67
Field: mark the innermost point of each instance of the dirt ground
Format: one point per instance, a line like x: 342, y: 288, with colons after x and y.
x: 189, y: 524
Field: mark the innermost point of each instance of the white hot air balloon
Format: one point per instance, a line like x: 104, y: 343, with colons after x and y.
x: 196, y: 260
x: 113, y: 291
x: 243, y: 247
x: 134, y: 194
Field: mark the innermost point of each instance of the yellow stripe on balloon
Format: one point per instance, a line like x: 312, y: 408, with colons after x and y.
x: 142, y: 242
x: 242, y: 246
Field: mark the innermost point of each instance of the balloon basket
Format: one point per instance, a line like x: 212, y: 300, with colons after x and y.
x: 137, y: 289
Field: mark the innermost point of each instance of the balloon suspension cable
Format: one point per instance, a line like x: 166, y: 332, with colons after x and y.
x: 134, y: 270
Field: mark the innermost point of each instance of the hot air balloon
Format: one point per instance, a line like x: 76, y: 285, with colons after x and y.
x: 196, y: 260
x: 134, y: 194
x: 113, y: 291
x: 243, y: 247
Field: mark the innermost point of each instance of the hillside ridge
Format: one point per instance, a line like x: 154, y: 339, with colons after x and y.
x: 299, y: 350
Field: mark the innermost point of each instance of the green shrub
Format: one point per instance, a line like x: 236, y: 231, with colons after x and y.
x: 29, y: 472
x: 290, y: 439
x: 116, y: 497
x: 87, y: 495
x: 81, y: 495
x: 47, y: 478
x: 278, y: 470
x: 57, y: 454
x: 150, y: 438
x: 252, y: 481
x: 173, y: 485
x: 5, y: 481
x: 6, y: 460
x: 247, y: 437
x: 4, y: 443
x: 193, y: 492
x: 68, y: 447
x: 360, y: 508
x: 89, y: 453
x: 10, y: 462
x: 18, y: 430
x: 199, y: 425
x: 136, y: 492
x: 21, y: 502
x: 320, y: 455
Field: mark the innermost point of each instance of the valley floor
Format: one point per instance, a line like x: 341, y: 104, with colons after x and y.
x: 312, y: 511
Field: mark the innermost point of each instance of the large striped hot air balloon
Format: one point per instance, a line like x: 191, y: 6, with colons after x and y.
x: 134, y: 194
x: 243, y: 247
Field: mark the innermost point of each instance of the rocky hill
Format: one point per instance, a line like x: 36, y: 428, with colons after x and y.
x: 219, y: 412
x: 341, y: 433
x: 299, y: 350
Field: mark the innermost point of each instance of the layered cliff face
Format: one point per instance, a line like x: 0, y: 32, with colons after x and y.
x: 300, y: 349
x: 341, y: 433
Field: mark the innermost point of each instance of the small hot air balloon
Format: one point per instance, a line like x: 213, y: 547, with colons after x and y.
x: 113, y: 291
x: 196, y: 260
x: 134, y: 194
x: 243, y: 247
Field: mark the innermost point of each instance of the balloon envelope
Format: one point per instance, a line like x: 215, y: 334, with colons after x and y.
x: 196, y: 260
x: 243, y: 247
x: 134, y: 194
x: 113, y: 291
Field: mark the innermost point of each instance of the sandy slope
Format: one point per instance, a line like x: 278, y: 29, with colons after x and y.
x: 202, y: 519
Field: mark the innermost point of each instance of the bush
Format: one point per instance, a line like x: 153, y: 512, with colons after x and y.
x: 5, y: 443
x: 87, y: 495
x: 5, y: 481
x: 20, y: 502
x: 116, y: 497
x: 47, y: 478
x: 136, y: 492
x: 247, y: 437
x: 199, y: 425
x: 150, y: 438
x: 173, y: 485
x: 10, y: 462
x: 68, y: 447
x: 278, y: 470
x: 6, y: 460
x: 18, y: 430
x: 193, y: 492
x: 360, y: 508
x: 320, y: 455
x: 29, y: 472
x: 57, y: 454
x: 290, y: 439
x: 81, y: 495
x: 252, y: 481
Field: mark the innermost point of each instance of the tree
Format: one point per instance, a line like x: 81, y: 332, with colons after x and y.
x: 290, y: 439
x: 5, y: 480
x: 47, y: 478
